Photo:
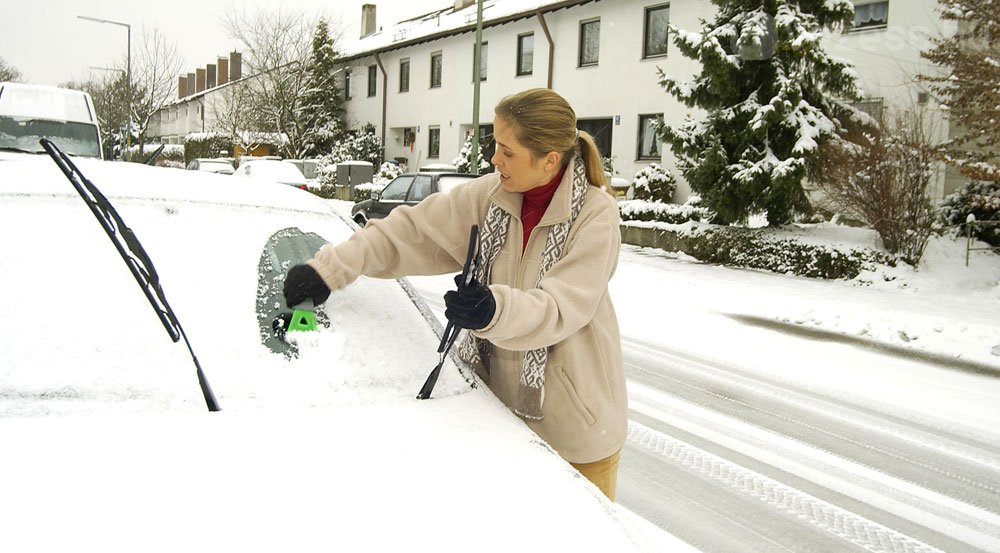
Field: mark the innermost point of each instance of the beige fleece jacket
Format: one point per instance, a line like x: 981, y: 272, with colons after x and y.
x: 570, y: 311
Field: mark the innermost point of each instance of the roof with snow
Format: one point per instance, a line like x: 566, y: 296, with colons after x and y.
x: 448, y: 22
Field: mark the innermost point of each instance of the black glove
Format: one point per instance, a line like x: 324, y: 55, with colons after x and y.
x: 302, y: 283
x: 471, y: 306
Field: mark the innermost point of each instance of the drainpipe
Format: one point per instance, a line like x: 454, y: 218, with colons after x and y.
x: 552, y: 46
x: 385, y: 99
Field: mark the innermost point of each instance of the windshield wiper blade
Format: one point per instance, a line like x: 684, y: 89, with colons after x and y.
x: 20, y: 150
x: 132, y: 252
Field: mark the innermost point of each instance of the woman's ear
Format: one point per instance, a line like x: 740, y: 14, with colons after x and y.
x: 552, y: 160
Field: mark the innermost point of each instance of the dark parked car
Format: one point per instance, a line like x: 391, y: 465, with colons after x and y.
x: 406, y: 189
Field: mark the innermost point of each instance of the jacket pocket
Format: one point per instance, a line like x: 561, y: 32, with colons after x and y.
x: 574, y: 397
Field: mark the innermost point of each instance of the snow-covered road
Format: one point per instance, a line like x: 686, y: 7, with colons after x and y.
x: 775, y: 413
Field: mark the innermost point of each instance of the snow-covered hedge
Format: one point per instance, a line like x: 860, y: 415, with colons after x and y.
x: 207, y: 144
x: 756, y: 249
x: 645, y: 210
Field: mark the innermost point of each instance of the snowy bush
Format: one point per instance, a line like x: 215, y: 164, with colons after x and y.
x: 882, y: 177
x: 980, y: 199
x: 463, y: 163
x: 387, y: 172
x: 654, y: 183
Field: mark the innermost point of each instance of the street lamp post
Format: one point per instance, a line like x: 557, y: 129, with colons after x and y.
x: 128, y: 70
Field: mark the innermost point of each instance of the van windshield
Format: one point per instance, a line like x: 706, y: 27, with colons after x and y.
x: 24, y: 133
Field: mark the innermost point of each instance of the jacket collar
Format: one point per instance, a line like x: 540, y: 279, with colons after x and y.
x: 559, y: 207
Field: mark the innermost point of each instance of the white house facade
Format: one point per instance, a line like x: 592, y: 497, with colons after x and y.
x: 413, y: 80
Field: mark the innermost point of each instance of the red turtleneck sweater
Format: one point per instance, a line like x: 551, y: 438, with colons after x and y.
x: 536, y: 201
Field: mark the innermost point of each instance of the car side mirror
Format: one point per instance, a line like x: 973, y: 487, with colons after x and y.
x: 375, y: 196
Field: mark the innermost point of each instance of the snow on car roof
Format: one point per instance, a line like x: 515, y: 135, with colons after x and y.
x: 44, y: 102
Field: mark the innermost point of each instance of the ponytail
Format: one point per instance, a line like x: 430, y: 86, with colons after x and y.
x: 592, y: 161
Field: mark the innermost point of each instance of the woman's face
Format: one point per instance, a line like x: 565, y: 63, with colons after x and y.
x: 519, y: 169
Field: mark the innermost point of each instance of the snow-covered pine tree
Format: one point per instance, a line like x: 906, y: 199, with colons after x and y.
x: 771, y: 95
x: 323, y: 102
x: 463, y: 163
x: 970, y: 84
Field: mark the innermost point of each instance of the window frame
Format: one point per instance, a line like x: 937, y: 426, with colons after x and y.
x: 519, y: 69
x: 433, y: 142
x: 372, y: 81
x: 874, y: 26
x: 641, y: 136
x: 347, y: 83
x: 581, y: 43
x: 404, y: 76
x: 439, y: 56
x: 645, y: 32
x: 602, y: 131
x: 483, y: 57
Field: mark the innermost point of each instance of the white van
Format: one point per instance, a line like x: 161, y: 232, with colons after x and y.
x: 30, y: 112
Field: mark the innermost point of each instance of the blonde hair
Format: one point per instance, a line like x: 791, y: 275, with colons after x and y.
x: 544, y: 122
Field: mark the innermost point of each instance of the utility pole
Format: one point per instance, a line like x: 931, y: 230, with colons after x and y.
x: 128, y: 70
x: 476, y: 79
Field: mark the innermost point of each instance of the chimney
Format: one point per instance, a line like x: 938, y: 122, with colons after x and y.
x: 210, y: 75
x: 235, y: 66
x: 367, y: 19
x: 462, y: 4
x: 223, y: 71
x: 199, y: 80
x: 182, y: 86
x: 190, y: 83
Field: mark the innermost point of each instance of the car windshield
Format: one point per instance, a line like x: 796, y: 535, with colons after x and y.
x: 24, y: 133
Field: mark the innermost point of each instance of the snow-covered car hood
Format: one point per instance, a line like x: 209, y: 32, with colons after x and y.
x: 405, y: 477
x: 106, y: 439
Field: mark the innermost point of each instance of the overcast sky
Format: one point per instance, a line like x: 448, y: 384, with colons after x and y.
x: 46, y: 41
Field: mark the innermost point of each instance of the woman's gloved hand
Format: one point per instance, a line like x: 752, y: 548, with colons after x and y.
x: 471, y: 306
x: 303, y: 282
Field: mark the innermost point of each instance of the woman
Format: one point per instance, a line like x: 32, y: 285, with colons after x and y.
x: 543, y: 332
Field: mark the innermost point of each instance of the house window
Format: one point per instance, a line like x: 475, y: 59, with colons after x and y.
x: 590, y: 42
x: 483, y: 56
x: 372, y: 80
x: 600, y: 129
x: 433, y: 142
x: 871, y: 106
x: 874, y: 15
x: 525, y: 54
x: 409, y: 136
x: 347, y: 84
x: 404, y: 75
x: 654, y: 43
x: 649, y: 142
x: 435, y: 69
